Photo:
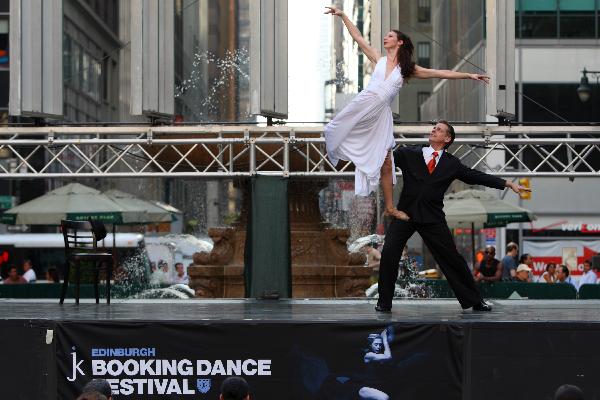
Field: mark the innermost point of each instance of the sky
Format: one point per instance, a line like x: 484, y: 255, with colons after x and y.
x: 309, y: 55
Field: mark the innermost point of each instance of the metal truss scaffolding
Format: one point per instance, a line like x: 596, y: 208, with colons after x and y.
x: 243, y: 151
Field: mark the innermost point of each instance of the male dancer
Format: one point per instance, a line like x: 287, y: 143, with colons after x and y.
x: 427, y: 172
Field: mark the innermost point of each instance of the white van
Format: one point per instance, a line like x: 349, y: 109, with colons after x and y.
x: 48, y: 249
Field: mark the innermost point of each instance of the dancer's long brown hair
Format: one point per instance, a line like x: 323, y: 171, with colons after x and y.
x: 405, y: 54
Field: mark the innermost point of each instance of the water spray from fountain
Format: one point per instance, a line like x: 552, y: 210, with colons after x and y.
x: 204, y: 94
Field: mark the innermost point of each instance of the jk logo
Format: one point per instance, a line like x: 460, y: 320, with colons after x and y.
x: 76, y: 367
x: 203, y: 385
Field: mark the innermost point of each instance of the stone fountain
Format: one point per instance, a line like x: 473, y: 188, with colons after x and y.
x: 321, y: 263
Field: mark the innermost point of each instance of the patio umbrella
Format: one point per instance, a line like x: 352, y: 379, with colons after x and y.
x: 80, y: 203
x: 481, y: 209
x: 478, y: 209
x: 73, y: 201
x: 137, y: 210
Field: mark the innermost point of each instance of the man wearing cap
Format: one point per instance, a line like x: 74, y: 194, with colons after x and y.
x: 522, y: 274
x: 427, y: 172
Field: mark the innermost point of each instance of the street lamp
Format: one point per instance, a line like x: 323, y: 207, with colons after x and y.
x: 584, y: 91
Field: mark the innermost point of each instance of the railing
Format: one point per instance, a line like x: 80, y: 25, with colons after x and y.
x: 243, y: 151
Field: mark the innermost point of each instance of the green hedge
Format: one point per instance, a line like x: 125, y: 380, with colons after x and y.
x: 589, y: 291
x: 502, y: 290
x: 52, y: 291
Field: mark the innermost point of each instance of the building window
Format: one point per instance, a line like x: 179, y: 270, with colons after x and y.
x: 556, y: 18
x: 577, y: 18
x: 424, y: 54
x: 81, y: 71
x: 4, y: 53
x: 539, y: 18
x: 424, y: 11
x: 421, y: 98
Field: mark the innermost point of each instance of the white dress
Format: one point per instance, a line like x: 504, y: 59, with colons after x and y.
x: 363, y: 132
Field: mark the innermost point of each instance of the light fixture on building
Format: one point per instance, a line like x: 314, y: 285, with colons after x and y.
x: 584, y: 91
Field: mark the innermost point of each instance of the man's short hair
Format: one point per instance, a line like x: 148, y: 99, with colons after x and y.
x: 234, y: 388
x: 450, y: 132
x: 511, y: 246
x: 98, y: 385
x: 588, y: 261
x: 568, y: 392
x: 92, y: 396
x: 565, y: 269
x: 523, y: 258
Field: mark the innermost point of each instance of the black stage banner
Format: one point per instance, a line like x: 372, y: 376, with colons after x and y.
x: 145, y: 360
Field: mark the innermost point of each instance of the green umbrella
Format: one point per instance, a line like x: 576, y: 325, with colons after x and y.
x: 137, y: 210
x: 73, y: 202
x: 477, y: 209
x: 80, y: 203
x: 481, y: 209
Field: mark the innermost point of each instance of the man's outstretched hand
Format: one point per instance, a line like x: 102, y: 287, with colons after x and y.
x: 517, y: 188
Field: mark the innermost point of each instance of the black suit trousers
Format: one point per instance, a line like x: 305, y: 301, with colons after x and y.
x: 438, y: 239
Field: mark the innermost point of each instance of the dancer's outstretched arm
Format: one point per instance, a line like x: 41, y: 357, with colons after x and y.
x: 427, y: 73
x: 386, y: 346
x: 371, y: 52
x: 474, y: 177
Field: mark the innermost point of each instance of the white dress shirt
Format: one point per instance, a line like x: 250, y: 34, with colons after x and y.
x: 30, y: 276
x: 428, y: 155
x: 588, y: 277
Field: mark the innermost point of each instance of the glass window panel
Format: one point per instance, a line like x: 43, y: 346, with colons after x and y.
x: 67, y: 59
x: 98, y: 80
x: 539, y: 26
x: 424, y: 11
x: 536, y: 5
x: 76, y: 60
x: 577, y: 5
x: 4, y: 88
x: 85, y: 65
x: 423, y: 54
x: 421, y: 97
x: 577, y: 25
x: 4, y: 53
x: 4, y: 6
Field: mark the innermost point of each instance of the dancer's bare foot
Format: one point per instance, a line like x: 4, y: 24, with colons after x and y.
x: 394, y: 212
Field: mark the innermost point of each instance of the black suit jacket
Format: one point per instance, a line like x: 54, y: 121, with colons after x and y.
x: 422, y: 196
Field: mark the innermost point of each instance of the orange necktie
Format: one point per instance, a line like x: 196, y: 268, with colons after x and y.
x: 431, y: 163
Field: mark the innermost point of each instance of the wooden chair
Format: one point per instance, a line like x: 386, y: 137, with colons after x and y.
x: 81, y: 245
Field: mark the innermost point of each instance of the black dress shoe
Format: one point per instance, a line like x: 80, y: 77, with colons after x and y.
x: 383, y: 309
x: 482, y: 306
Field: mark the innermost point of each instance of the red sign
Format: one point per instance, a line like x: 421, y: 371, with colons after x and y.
x: 571, y: 253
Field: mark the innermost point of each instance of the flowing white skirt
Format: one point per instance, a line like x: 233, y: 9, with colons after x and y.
x: 363, y: 132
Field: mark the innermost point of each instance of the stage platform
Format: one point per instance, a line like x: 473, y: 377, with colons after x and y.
x: 302, y: 349
x: 310, y: 310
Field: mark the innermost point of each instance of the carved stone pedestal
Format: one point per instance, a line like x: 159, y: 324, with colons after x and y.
x: 321, y: 264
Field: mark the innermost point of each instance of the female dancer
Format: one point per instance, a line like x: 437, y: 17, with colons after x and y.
x: 363, y: 132
x: 378, y: 353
